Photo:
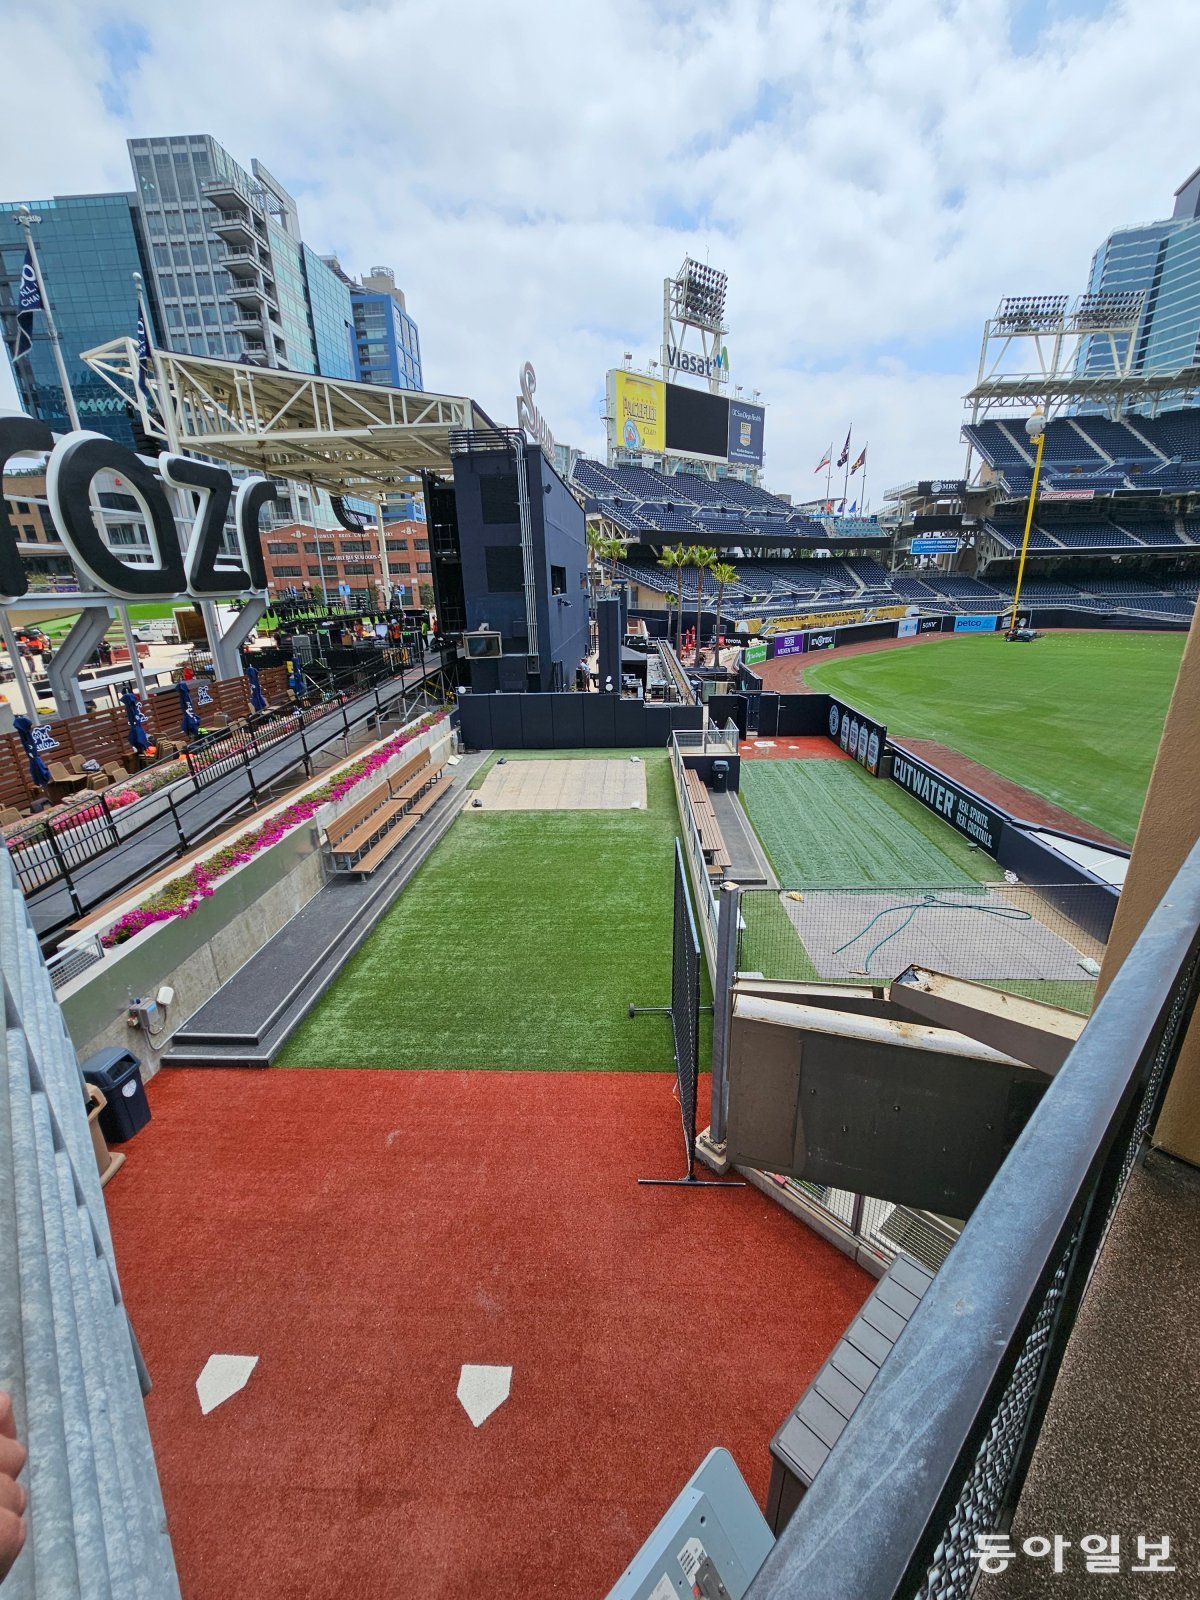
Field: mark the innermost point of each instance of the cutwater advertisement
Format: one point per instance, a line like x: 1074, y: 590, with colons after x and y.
x: 959, y: 807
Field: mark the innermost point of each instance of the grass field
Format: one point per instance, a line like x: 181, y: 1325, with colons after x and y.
x: 520, y: 943
x: 1075, y: 717
x: 829, y: 824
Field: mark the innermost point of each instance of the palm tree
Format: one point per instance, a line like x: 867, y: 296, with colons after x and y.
x: 700, y: 556
x: 675, y: 558
x: 724, y: 574
x: 614, y: 548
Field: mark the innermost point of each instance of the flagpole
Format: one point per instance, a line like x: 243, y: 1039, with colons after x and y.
x: 828, y: 468
x: 26, y: 220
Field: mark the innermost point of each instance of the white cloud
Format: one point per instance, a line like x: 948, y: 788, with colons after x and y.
x: 873, y: 175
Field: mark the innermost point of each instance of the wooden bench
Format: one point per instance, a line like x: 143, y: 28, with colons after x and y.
x: 361, y: 838
x: 712, y: 840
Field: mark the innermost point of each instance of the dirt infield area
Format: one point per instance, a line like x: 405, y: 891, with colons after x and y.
x: 1002, y: 792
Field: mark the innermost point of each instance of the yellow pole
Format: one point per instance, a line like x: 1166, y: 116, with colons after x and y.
x: 1033, y: 489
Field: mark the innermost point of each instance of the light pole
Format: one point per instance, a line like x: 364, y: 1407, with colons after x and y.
x: 1036, y: 429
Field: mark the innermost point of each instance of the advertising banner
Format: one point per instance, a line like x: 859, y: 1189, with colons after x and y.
x: 641, y: 411
x: 755, y: 652
x: 789, y: 644
x: 906, y: 628
x: 859, y: 736
x: 945, y: 488
x: 930, y: 624
x: 961, y: 809
x: 975, y: 624
x: 745, y: 433
x: 933, y: 547
x: 833, y: 619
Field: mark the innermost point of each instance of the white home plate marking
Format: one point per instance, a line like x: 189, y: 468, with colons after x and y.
x: 222, y: 1377
x: 482, y: 1389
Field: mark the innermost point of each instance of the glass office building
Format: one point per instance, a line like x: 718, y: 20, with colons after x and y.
x: 387, y: 346
x: 1163, y: 260
x: 89, y: 249
x: 225, y: 252
x: 331, y: 312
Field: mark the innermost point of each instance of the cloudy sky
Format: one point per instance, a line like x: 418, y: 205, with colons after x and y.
x: 873, y: 174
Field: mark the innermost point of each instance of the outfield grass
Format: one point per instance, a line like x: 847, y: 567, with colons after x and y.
x: 1075, y: 717
x: 520, y: 943
x: 829, y: 824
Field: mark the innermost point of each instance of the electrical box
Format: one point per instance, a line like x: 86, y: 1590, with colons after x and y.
x: 710, y: 1544
x: 149, y: 1015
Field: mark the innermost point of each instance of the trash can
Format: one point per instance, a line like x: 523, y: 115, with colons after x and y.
x: 720, y: 777
x: 116, y: 1073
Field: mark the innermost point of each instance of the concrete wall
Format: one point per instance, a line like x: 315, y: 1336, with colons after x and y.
x: 195, y: 955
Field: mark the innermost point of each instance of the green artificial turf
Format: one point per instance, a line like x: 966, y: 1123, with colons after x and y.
x: 1074, y: 717
x: 520, y: 943
x: 829, y: 824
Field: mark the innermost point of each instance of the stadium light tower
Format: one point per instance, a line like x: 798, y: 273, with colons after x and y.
x: 694, y: 300
x: 1035, y: 427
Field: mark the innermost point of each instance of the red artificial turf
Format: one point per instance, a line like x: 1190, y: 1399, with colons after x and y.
x: 366, y: 1233
x: 807, y: 747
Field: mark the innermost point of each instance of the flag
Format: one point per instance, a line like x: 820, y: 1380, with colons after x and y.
x: 143, y: 352
x: 853, y: 508
x: 825, y: 460
x: 861, y: 462
x: 845, y: 455
x: 29, y: 300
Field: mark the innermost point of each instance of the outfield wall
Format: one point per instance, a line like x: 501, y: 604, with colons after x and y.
x: 809, y: 640
x: 571, y: 722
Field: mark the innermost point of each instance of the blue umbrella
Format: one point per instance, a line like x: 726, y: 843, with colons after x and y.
x: 137, y: 731
x: 38, y: 770
x: 191, y: 722
x: 258, y: 699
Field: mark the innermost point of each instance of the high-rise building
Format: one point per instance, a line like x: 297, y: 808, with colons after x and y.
x: 1162, y: 259
x: 88, y: 248
x: 388, y: 348
x: 225, y: 253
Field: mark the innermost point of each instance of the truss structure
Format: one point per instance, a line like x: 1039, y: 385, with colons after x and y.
x: 347, y: 438
x: 694, y: 301
x: 1051, y: 351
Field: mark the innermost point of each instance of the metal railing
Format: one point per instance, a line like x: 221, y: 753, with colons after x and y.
x: 937, y: 1451
x: 68, y: 1356
x: 703, y: 888
x: 65, y: 882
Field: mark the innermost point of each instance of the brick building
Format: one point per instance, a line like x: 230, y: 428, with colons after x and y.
x: 296, y: 553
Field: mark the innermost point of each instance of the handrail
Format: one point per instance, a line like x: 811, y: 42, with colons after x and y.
x: 938, y: 1448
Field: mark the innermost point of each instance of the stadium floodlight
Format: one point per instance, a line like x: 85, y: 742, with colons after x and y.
x: 1117, y: 309
x: 698, y: 295
x: 1031, y: 313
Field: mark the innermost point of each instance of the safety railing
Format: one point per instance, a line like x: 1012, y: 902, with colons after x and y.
x: 235, y: 766
x: 68, y: 1356
x: 937, y: 1451
x: 704, y: 890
